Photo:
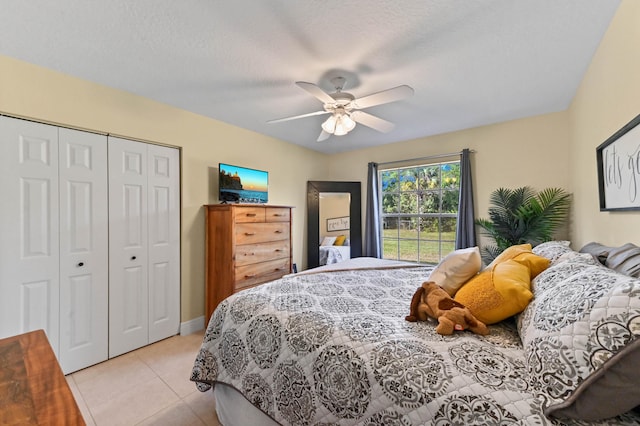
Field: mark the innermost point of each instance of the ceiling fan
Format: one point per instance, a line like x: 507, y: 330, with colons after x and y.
x: 345, y: 109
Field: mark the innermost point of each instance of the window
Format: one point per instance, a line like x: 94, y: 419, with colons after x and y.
x: 419, y: 209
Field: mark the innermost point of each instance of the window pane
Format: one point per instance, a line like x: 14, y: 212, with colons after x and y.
x: 429, y: 252
x: 389, y: 248
x: 430, y: 228
x: 389, y: 181
x: 448, y: 228
x: 409, y: 250
x: 430, y: 202
x: 408, y: 227
x: 447, y: 247
x: 429, y: 177
x: 450, y: 199
x: 390, y: 203
x: 408, y: 202
x: 450, y: 175
x: 408, y: 180
x: 390, y: 227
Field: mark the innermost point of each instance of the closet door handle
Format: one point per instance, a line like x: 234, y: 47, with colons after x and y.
x: 133, y: 258
x: 80, y: 264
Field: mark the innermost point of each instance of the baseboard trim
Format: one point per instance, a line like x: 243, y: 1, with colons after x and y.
x: 192, y: 326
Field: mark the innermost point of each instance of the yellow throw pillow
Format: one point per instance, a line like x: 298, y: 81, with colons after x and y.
x: 497, y: 293
x: 510, y: 253
x: 535, y: 263
x: 339, y: 240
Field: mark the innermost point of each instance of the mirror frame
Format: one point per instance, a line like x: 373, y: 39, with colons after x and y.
x: 314, y: 188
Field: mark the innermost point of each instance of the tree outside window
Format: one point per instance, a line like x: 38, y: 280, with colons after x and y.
x: 419, y: 209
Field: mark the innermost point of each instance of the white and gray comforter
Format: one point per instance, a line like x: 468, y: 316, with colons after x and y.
x: 334, y: 348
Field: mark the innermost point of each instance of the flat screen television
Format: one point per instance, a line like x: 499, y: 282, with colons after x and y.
x: 242, y: 185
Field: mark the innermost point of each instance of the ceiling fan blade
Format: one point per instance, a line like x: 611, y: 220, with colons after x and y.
x: 372, y: 121
x: 316, y: 92
x: 295, y: 117
x: 323, y: 136
x: 384, y: 97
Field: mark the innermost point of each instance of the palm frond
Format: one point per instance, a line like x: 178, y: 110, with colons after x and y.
x: 522, y: 215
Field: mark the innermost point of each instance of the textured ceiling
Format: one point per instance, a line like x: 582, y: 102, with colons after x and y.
x: 471, y: 62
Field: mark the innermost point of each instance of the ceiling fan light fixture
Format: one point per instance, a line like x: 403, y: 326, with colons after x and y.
x: 344, y: 124
x: 329, y: 125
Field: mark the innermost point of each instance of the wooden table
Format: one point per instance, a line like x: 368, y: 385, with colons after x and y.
x: 33, y: 390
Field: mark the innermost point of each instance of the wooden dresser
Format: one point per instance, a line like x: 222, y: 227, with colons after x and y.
x: 33, y: 390
x: 246, y: 245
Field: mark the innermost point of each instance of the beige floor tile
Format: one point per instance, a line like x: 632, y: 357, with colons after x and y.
x: 116, y: 376
x: 77, y: 395
x: 178, y: 414
x: 165, y: 356
x: 203, y: 404
x: 178, y: 380
x: 96, y: 370
x: 134, y: 404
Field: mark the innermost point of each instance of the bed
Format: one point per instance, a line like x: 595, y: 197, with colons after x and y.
x: 334, y: 254
x: 331, y: 346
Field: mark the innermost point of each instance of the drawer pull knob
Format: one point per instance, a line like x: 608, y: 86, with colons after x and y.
x: 277, y: 215
x: 278, y: 250
x: 80, y: 264
x: 278, y: 269
x: 249, y: 276
x: 251, y: 215
x: 248, y: 234
x: 278, y: 232
x: 133, y: 258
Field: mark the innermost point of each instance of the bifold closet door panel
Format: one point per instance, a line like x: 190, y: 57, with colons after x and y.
x: 128, y: 242
x: 29, y: 245
x: 164, y: 241
x: 84, y: 223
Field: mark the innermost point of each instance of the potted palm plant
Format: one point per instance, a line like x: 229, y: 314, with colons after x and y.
x: 522, y: 215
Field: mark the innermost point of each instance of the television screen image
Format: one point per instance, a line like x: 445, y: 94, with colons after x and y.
x: 242, y: 185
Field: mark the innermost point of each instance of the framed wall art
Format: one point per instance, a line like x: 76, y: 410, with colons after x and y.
x: 338, y: 224
x: 618, y: 161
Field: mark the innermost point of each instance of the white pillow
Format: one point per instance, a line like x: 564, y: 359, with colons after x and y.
x: 457, y: 268
x: 328, y: 241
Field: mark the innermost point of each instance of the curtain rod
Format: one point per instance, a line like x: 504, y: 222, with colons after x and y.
x: 430, y: 157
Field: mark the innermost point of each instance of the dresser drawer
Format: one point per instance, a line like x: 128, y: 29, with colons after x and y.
x: 257, y: 273
x: 253, y: 233
x: 249, y: 214
x: 254, y: 253
x: 278, y: 214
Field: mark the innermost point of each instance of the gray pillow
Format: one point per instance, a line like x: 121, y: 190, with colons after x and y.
x: 592, y: 400
x: 598, y: 250
x: 625, y: 259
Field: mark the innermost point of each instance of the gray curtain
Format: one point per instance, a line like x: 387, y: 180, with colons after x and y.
x: 372, y: 238
x: 465, y: 229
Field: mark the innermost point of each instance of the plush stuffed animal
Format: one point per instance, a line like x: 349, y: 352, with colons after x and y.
x: 430, y: 300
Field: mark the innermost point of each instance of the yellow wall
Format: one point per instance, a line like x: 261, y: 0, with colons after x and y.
x: 44, y: 95
x: 607, y: 99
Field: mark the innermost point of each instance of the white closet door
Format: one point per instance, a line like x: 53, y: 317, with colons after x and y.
x: 164, y: 242
x: 84, y: 223
x: 29, y: 256
x: 128, y: 260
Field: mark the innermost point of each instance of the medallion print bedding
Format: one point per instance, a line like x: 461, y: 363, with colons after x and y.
x: 333, y: 348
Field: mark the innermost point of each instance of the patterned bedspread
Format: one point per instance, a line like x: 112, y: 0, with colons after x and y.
x: 334, y: 348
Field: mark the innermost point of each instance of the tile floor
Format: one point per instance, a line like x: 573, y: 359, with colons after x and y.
x: 149, y: 386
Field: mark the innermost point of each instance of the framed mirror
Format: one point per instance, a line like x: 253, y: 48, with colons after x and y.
x: 334, y: 193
